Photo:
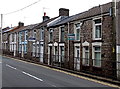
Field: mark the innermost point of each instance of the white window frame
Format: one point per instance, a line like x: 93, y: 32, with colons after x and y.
x: 60, y: 53
x: 33, y: 50
x: 20, y: 48
x: 56, y: 53
x: 26, y: 34
x: 75, y: 31
x: 34, y: 33
x: 15, y: 37
x: 94, y: 28
x: 60, y: 33
x: 96, y: 44
x: 37, y: 50
x: 20, y: 37
x: 25, y: 48
x: 50, y: 31
x: 41, y: 34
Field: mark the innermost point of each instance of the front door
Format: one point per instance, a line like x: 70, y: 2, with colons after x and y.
x: 50, y: 55
x: 22, y: 51
x: 41, y: 53
x: 77, y: 58
x: 14, y: 49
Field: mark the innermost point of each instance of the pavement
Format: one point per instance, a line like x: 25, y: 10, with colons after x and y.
x: 19, y: 74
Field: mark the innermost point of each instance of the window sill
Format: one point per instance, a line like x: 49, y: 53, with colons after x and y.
x: 96, y: 40
x: 85, y: 64
x: 96, y: 66
x: 77, y: 41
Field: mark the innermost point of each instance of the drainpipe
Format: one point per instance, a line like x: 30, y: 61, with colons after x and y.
x: 68, y: 44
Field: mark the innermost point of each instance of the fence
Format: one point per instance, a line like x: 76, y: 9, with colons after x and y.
x: 107, y: 68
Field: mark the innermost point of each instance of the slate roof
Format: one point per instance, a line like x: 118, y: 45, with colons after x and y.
x: 44, y: 23
x: 102, y: 9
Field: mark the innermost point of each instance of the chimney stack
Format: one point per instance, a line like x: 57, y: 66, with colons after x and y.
x: 63, y: 12
x: 45, y: 17
x: 20, y: 24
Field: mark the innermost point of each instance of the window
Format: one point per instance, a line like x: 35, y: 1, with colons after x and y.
x: 15, y: 40
x: 20, y: 48
x: 62, y: 54
x: 55, y: 54
x: 25, y: 48
x: 97, y: 29
x: 97, y: 56
x: 20, y: 37
x: 26, y: 35
x: 86, y: 55
x: 33, y: 50
x: 34, y: 33
x: 77, y: 31
x: 51, y: 35
x: 37, y: 51
x: 41, y: 34
x: 62, y: 34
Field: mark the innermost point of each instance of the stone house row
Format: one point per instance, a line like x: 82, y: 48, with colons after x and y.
x: 83, y: 42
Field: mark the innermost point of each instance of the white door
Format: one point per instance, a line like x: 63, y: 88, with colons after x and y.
x: 14, y: 49
x: 77, y: 58
x: 22, y: 50
x: 41, y: 53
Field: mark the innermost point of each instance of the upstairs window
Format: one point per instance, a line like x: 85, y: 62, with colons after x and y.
x: 26, y: 35
x: 34, y: 33
x: 62, y: 33
x: 20, y: 37
x: 97, y: 29
x: 41, y: 34
x: 50, y: 34
x: 15, y: 40
x: 77, y: 31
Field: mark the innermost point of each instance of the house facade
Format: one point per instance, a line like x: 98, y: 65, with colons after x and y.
x: 83, y: 42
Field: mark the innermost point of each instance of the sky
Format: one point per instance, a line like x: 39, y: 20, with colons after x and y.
x: 34, y: 13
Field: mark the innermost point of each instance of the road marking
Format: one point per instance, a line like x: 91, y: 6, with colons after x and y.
x: 11, y: 67
x: 54, y: 86
x: 32, y: 76
x: 86, y: 78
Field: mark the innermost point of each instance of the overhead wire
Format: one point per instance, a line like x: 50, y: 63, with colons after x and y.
x: 22, y: 8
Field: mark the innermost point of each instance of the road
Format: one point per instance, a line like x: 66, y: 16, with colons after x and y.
x: 23, y: 74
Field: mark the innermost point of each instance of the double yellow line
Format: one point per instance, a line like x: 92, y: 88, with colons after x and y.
x: 86, y: 78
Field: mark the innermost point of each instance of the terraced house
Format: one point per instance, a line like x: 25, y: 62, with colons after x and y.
x: 86, y: 42
x: 83, y: 42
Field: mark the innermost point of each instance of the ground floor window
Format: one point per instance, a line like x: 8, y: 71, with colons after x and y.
x: 62, y: 53
x: 97, y: 56
x: 56, y: 54
x: 25, y: 48
x: 20, y: 48
x: 37, y: 50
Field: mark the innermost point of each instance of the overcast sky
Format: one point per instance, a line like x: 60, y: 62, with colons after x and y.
x: 33, y: 14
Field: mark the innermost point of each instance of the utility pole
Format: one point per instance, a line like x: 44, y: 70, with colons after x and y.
x: 1, y: 34
x: 1, y: 51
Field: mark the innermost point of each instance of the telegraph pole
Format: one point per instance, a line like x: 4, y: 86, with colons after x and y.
x: 1, y: 51
x: 1, y: 34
